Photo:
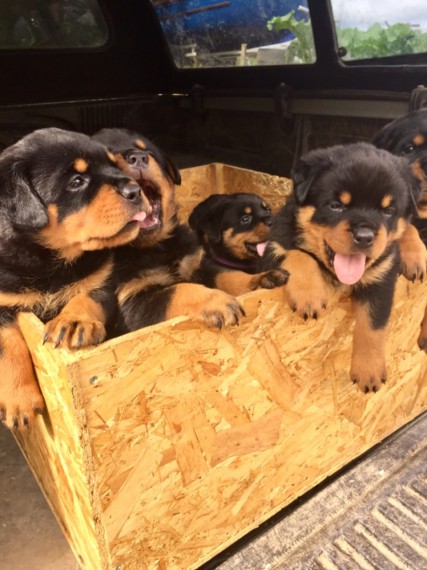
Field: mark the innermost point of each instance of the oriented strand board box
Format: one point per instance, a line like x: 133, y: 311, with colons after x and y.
x: 165, y: 446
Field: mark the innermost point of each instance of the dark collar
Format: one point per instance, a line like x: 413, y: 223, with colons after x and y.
x: 242, y: 265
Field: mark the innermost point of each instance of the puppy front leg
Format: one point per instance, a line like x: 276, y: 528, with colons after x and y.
x: 368, y: 369
x: 89, y: 305
x: 372, y: 307
x: 238, y: 282
x: 155, y: 304
x: 413, y: 254
x: 213, y: 307
x: 307, y: 290
x: 80, y: 323
x: 20, y: 396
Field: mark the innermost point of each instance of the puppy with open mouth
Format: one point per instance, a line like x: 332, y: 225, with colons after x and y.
x: 340, y: 229
x: 140, y: 159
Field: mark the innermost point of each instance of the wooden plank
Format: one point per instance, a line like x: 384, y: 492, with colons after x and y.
x: 58, y: 452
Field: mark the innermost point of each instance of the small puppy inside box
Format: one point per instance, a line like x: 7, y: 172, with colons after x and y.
x: 234, y: 230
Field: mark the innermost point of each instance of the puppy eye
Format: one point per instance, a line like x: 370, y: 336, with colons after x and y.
x: 245, y: 220
x: 336, y: 206
x: 77, y: 182
x: 388, y: 211
x: 409, y: 149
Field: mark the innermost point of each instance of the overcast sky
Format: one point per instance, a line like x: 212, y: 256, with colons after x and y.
x: 363, y: 13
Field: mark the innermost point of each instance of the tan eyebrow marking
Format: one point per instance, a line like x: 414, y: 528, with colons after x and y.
x: 418, y: 140
x: 345, y: 198
x: 386, y: 201
x: 139, y: 143
x: 111, y: 157
x: 81, y: 165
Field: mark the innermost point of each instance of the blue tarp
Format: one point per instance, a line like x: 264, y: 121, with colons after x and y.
x: 226, y: 22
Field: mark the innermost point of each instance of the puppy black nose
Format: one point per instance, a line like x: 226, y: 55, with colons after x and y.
x: 268, y: 222
x: 137, y: 160
x: 363, y: 237
x: 131, y: 192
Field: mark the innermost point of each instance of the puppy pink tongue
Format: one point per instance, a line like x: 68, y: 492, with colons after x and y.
x: 349, y: 268
x: 140, y: 217
x: 146, y: 222
x: 260, y: 247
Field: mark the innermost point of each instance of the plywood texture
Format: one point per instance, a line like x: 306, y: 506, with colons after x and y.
x: 166, y: 445
x: 216, y: 178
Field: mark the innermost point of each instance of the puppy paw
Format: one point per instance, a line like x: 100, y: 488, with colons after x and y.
x: 221, y: 310
x: 414, y: 266
x: 73, y: 333
x: 413, y: 255
x: 368, y: 378
x: 307, y: 290
x: 308, y: 302
x: 213, y: 307
x: 270, y: 279
x: 20, y: 404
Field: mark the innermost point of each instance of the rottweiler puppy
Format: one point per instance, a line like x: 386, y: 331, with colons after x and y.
x: 407, y: 136
x: 233, y: 229
x: 349, y: 206
x: 64, y: 205
x: 157, y: 274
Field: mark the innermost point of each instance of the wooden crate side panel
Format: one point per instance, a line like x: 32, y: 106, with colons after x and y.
x: 273, y: 188
x: 198, y: 436
x: 200, y: 181
x: 57, y: 451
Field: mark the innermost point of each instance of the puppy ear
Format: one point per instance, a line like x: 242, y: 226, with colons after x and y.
x: 172, y: 171
x: 167, y: 165
x: 28, y: 209
x: 307, y: 169
x: 384, y: 138
x: 414, y: 187
x: 206, y: 217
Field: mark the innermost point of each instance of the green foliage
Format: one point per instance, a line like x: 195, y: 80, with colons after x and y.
x: 301, y: 49
x: 376, y: 41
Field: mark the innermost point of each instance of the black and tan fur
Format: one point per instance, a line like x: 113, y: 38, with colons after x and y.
x: 64, y: 205
x: 157, y: 274
x: 407, y: 136
x: 233, y: 229
x: 340, y: 229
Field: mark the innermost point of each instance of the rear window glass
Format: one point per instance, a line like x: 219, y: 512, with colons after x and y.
x: 383, y: 28
x: 48, y: 24
x: 212, y: 33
